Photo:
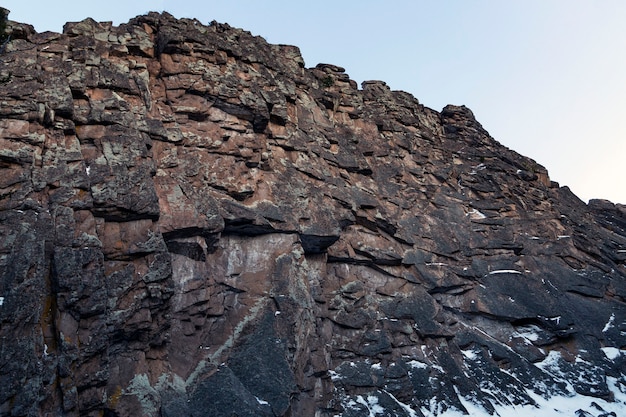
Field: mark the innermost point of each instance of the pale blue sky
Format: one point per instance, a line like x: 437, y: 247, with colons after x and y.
x: 545, y: 78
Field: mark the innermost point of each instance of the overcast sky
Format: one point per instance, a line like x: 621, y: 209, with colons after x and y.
x: 545, y: 78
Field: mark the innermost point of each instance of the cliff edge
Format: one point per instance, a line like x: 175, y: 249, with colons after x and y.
x: 193, y: 223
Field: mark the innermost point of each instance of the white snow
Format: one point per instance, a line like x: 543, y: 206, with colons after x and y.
x: 611, y: 352
x: 566, y: 405
x: 550, y: 284
x: 530, y: 236
x: 262, y: 402
x: 504, y: 271
x: 377, y: 366
x: 421, y: 365
x: 470, y: 354
x: 417, y: 364
x: 559, y: 237
x: 557, y: 406
x: 438, y: 368
x: 371, y: 403
x: 404, y: 406
x: 475, y: 214
x: 434, y: 408
x: 477, y: 168
x: 581, y: 360
x: 1, y: 300
x: 528, y: 332
x: 609, y: 324
x: 87, y: 169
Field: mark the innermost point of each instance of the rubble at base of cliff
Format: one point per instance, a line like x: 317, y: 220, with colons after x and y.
x: 192, y: 222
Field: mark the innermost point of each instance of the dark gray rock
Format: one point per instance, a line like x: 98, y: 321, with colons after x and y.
x: 223, y: 394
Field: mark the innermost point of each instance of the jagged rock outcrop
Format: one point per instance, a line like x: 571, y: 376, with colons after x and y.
x: 193, y: 223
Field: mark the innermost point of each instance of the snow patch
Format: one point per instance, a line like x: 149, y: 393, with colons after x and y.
x: 581, y: 360
x: 475, y: 214
x: 611, y: 352
x: 438, y: 368
x: 472, y: 408
x: 609, y: 324
x: 371, y: 403
x: 417, y: 364
x: 477, y: 168
x: 404, y: 406
x: 1, y: 300
x: 504, y: 271
x: 262, y: 402
x: 550, y: 363
x: 529, y: 333
x: 556, y: 406
x: 565, y: 405
x: 470, y: 354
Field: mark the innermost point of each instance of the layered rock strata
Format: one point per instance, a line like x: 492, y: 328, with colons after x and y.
x: 193, y: 223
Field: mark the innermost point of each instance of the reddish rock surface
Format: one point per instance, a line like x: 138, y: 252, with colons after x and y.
x: 193, y: 223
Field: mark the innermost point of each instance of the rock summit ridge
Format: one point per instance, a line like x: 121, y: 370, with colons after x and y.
x: 194, y: 223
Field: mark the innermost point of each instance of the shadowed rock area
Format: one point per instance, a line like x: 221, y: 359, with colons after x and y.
x: 192, y: 223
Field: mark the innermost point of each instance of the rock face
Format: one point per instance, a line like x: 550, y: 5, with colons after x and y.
x: 192, y: 223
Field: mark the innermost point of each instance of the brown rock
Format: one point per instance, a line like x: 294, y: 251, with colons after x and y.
x: 193, y: 223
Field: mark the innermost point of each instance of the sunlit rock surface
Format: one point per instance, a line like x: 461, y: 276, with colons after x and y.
x: 193, y: 223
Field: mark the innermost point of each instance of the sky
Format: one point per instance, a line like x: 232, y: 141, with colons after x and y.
x: 544, y: 78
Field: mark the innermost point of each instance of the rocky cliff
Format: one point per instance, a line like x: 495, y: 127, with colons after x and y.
x: 195, y: 224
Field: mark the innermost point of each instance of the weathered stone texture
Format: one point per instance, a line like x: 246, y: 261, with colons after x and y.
x: 193, y: 223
